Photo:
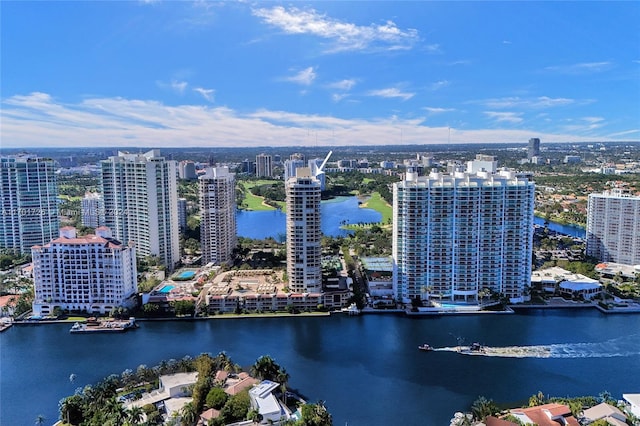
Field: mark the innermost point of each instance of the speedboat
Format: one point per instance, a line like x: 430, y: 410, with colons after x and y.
x: 425, y: 347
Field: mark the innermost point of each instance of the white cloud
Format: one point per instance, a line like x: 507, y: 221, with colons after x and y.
x: 581, y: 68
x: 39, y: 120
x: 304, y: 77
x: 517, y: 102
x: 337, y: 97
x: 344, y: 35
x: 439, y: 84
x: 342, y: 84
x: 508, y: 117
x: 175, y: 86
x: 434, y: 110
x: 208, y: 94
x: 391, y: 92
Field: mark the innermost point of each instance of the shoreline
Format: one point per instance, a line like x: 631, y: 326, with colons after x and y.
x: 510, y: 310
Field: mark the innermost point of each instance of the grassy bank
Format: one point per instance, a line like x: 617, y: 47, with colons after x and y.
x: 254, y: 202
x: 377, y: 203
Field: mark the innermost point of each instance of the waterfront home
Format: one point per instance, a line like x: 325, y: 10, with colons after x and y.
x: 633, y: 401
x: 612, y: 415
x: 545, y: 415
x: 265, y: 402
x: 236, y: 383
x: 566, y: 282
x: 172, y: 386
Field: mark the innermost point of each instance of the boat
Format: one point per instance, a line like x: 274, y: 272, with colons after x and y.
x: 425, y: 347
x: 475, y: 348
x: 104, y: 326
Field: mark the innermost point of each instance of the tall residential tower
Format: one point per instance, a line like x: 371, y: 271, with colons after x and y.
x: 304, y: 266
x: 456, y: 235
x: 217, y: 215
x: 613, y: 227
x: 92, y: 273
x: 141, y: 203
x: 28, y: 195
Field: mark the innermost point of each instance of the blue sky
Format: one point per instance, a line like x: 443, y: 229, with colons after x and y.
x: 179, y: 73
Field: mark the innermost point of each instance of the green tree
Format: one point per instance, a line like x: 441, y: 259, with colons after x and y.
x: 40, y: 420
x: 265, y: 368
x: 216, y: 398
x: 236, y: 408
x: 189, y: 414
x: 483, y: 407
x: 315, y: 415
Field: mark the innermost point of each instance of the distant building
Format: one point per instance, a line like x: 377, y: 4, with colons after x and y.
x: 482, y: 163
x: 613, y: 227
x: 455, y: 235
x: 92, y: 210
x: 264, y: 166
x: 572, y: 159
x: 533, y: 149
x: 247, y: 166
x: 29, y: 197
x: 141, y: 203
x: 217, y: 215
x: 187, y: 170
x: 182, y: 214
x: 290, y: 167
x: 304, y: 267
x: 92, y: 273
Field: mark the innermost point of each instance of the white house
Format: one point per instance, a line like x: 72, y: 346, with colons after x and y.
x: 263, y: 400
x: 633, y: 399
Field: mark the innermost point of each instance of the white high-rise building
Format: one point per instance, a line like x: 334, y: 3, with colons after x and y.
x: 218, y: 236
x: 304, y: 267
x: 92, y: 273
x: 613, y: 227
x: 264, y: 166
x: 141, y: 203
x: 456, y: 235
x: 92, y: 210
x: 28, y: 196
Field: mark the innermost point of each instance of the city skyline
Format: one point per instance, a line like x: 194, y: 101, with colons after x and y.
x: 336, y: 73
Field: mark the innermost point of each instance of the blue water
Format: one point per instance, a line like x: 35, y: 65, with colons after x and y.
x: 166, y: 289
x: 334, y: 213
x: 186, y: 275
x: 367, y: 368
x: 570, y: 230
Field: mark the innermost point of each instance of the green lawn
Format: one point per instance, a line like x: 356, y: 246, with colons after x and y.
x: 255, y: 202
x: 377, y: 203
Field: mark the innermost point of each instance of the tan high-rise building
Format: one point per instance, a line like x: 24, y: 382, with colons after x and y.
x: 91, y: 273
x: 218, y: 235
x: 264, y: 165
x: 304, y: 267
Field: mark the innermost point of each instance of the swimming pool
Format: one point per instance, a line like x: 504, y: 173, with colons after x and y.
x: 186, y: 275
x: 166, y: 289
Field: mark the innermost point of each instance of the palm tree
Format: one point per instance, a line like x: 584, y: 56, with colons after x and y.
x: 265, y: 368
x: 483, y: 407
x: 40, y: 420
x: 135, y: 415
x: 188, y: 414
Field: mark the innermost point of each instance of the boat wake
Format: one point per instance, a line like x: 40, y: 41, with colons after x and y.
x: 620, y: 347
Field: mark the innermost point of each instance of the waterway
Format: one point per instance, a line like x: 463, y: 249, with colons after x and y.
x: 334, y: 213
x: 368, y: 369
x: 571, y: 230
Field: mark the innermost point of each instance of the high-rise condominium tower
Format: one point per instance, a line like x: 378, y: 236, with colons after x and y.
x: 455, y: 235
x: 613, y: 227
x: 533, y: 150
x: 141, y: 203
x: 94, y: 273
x: 217, y: 215
x: 303, y: 232
x: 92, y: 210
x: 264, y: 166
x: 28, y: 195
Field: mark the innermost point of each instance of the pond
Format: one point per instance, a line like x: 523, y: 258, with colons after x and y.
x: 335, y: 213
